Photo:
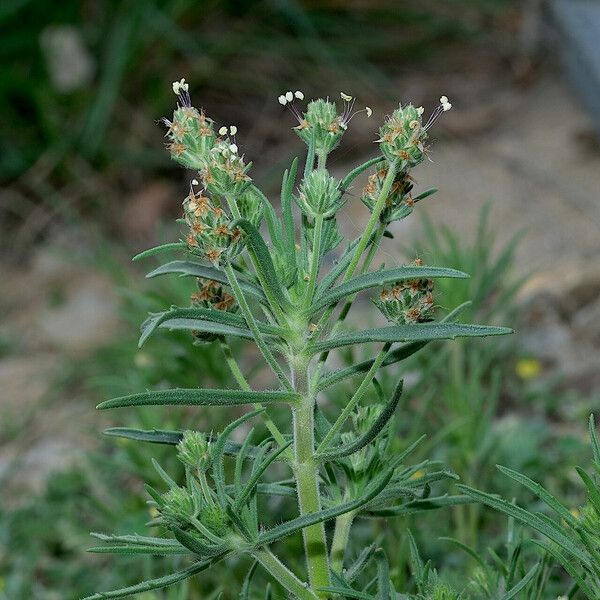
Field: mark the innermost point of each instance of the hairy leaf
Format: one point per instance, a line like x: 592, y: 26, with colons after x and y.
x: 200, y: 397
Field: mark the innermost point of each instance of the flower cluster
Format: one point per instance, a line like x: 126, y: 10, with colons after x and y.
x: 224, y: 172
x: 194, y: 449
x: 211, y: 294
x: 321, y: 122
x: 407, y: 301
x: 402, y: 136
x: 362, y: 420
x: 399, y: 201
x: 211, y: 233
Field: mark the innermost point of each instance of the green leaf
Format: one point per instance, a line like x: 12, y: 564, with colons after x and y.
x: 592, y: 488
x: 245, y: 591
x: 205, y: 320
x: 194, y: 269
x: 201, y: 397
x: 417, y: 506
x: 290, y: 527
x: 160, y: 249
x: 194, y: 545
x: 136, y: 549
x: 419, y: 332
x: 380, y: 278
x: 263, y: 264
x: 347, y: 181
x: 154, y: 584
x: 544, y: 526
x: 392, y: 357
x: 542, y: 494
x: 287, y: 188
x: 257, y: 474
x: 337, y: 269
x: 384, y: 416
x: 595, y: 442
x: 345, y: 592
x: 512, y: 593
x: 140, y: 540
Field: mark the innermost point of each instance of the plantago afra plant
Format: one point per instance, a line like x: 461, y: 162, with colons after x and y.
x: 277, y: 287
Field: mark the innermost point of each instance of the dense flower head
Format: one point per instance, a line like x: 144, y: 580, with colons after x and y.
x: 403, y: 135
x: 191, y: 136
x: 210, y: 234
x: 178, y: 507
x: 224, y: 171
x: 214, y: 518
x: 398, y: 202
x: 194, y: 450
x: 408, y: 301
x: 320, y: 194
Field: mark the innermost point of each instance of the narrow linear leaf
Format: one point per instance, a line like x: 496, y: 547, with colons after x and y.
x: 544, y: 526
x: 264, y: 263
x: 420, y: 332
x: 347, y: 181
x: 592, y: 488
x: 141, y: 540
x: 135, y: 549
x: 512, y: 593
x: 392, y: 357
x: 194, y: 269
x: 160, y: 249
x: 290, y: 527
x: 201, y: 397
x: 379, y: 278
x: 384, y: 416
x: 154, y: 584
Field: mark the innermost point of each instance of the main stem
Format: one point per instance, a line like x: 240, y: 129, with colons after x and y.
x: 307, y: 477
x: 341, y: 535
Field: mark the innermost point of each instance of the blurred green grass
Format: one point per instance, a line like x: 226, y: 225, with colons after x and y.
x: 72, y: 146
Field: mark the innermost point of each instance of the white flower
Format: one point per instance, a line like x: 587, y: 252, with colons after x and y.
x: 180, y: 86
x: 232, y: 130
x: 223, y: 131
x: 299, y: 95
x: 345, y: 97
x: 289, y: 96
x: 282, y: 100
x: 233, y: 148
x: 368, y: 110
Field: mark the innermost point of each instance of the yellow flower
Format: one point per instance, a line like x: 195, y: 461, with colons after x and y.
x: 528, y: 368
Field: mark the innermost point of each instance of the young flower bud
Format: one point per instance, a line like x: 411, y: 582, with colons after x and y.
x: 407, y: 301
x: 250, y: 206
x: 321, y: 119
x: 320, y: 194
x: 178, y: 507
x: 194, y: 450
x: 214, y: 518
x: 224, y: 172
x: 362, y: 419
x: 402, y: 137
x: 191, y: 135
x: 211, y: 234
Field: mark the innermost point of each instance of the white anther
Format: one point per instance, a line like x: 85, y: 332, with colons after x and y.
x: 289, y: 96
x: 223, y: 130
x: 232, y: 130
x: 368, y: 110
x: 194, y: 182
x: 180, y: 86
x: 282, y: 100
x: 420, y: 110
x: 345, y: 97
x: 233, y: 148
x: 299, y: 95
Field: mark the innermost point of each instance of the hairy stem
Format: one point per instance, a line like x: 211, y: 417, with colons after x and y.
x: 283, y: 575
x: 341, y: 535
x: 306, y: 473
x: 315, y: 261
x: 244, y: 385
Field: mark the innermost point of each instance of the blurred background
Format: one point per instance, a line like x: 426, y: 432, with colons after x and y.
x: 86, y: 182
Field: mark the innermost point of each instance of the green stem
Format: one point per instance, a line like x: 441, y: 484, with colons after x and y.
x: 341, y: 535
x: 315, y: 261
x: 321, y: 160
x: 283, y: 575
x: 306, y: 473
x: 356, y: 398
x: 244, y: 385
x: 251, y: 322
